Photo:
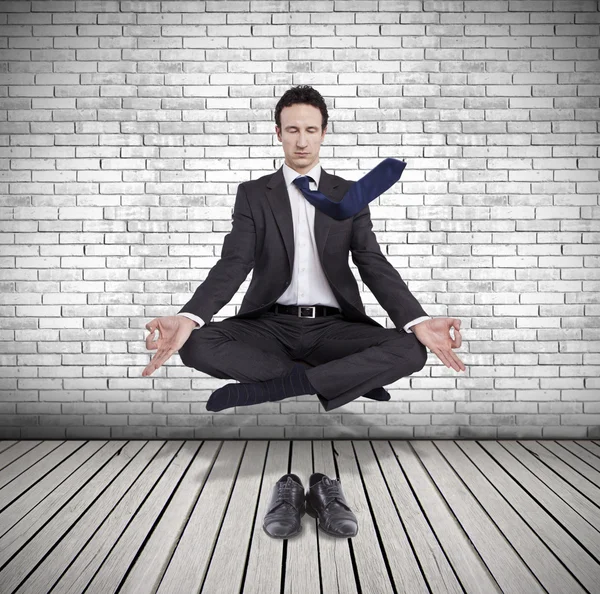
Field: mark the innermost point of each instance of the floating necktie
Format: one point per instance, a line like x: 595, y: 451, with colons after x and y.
x: 361, y: 193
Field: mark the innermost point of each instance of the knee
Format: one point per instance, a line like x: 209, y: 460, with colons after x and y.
x: 415, y: 353
x: 420, y: 355
x: 191, y: 351
x: 184, y: 353
x: 197, y: 354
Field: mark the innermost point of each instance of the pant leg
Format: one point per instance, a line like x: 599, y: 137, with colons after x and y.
x: 247, y: 350
x: 351, y: 358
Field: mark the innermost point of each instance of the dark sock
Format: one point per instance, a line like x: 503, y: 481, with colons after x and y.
x: 295, y: 383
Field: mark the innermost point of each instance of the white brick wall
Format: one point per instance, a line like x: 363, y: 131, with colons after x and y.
x: 127, y: 126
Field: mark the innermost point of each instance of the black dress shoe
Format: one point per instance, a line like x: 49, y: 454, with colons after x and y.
x: 325, y: 501
x: 378, y: 394
x: 286, y: 508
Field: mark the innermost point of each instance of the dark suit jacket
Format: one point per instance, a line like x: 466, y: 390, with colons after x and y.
x: 262, y: 237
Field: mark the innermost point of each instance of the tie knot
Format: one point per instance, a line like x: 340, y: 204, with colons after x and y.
x: 302, y: 181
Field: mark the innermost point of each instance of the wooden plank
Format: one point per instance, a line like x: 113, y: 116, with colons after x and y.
x: 57, y: 513
x: 569, y: 506
x: 397, y: 549
x: 29, y: 459
x: 505, y: 565
x: 191, y: 560
x: 26, y: 491
x: 402, y: 525
x: 149, y: 567
x: 302, y: 554
x: 543, y: 510
x: 572, y: 470
x: 28, y: 469
x: 7, y: 443
x: 454, y: 542
x: 265, y: 562
x: 485, y: 478
x: 368, y: 556
x: 8, y: 456
x: 104, y: 520
x: 576, y: 449
x: 334, y: 554
x: 45, y: 498
x: 590, y: 446
x: 227, y: 565
x: 106, y: 557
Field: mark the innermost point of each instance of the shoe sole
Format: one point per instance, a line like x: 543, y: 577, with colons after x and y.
x: 313, y: 514
x: 283, y: 537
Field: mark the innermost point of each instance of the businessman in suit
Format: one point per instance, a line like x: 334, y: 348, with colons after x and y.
x: 301, y: 328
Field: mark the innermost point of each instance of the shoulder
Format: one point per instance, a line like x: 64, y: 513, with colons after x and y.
x: 340, y: 181
x: 258, y: 184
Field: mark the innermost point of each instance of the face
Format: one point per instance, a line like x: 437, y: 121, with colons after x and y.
x: 300, y: 132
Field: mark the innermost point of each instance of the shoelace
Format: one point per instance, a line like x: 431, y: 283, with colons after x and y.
x: 331, y: 492
x: 284, y: 492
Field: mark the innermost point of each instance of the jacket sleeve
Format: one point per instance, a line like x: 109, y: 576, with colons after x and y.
x: 234, y: 265
x: 379, y: 275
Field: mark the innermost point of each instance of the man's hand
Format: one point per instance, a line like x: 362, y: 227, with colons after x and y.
x: 173, y: 332
x: 435, y: 335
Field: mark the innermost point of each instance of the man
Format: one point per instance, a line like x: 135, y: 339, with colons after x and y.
x: 302, y: 327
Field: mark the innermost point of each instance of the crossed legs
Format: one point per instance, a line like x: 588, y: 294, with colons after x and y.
x: 344, y: 359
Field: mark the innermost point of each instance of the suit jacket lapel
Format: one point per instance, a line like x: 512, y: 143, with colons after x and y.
x: 279, y: 201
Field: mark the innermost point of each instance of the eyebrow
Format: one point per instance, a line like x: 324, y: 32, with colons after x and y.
x: 288, y: 127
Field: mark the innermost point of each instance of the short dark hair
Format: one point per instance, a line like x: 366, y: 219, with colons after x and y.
x: 302, y: 94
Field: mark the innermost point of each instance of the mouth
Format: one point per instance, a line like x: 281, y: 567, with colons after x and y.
x: 302, y: 154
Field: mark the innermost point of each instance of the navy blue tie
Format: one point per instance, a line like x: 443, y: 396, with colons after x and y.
x: 361, y: 193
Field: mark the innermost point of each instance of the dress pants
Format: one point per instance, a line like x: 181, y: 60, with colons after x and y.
x: 343, y: 359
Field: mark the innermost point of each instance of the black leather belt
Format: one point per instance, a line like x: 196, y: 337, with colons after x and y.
x: 305, y: 311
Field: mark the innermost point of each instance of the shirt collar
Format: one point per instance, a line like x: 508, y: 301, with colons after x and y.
x: 291, y: 174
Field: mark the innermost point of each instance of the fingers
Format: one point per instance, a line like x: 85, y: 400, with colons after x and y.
x: 159, y: 358
x: 456, y: 344
x: 449, y: 359
x: 458, y: 362
x: 457, y: 340
x: 150, y: 341
x: 442, y: 357
x: 151, y: 367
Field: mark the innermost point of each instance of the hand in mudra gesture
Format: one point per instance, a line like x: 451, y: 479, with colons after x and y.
x: 435, y: 335
x: 173, y: 332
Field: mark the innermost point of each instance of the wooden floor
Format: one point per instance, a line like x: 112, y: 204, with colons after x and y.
x: 180, y: 517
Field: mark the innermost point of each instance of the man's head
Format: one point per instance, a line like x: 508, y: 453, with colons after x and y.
x: 301, y: 125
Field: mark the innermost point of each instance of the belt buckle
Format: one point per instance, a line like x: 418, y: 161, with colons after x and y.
x: 307, y: 307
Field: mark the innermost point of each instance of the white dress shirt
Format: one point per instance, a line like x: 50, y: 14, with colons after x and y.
x: 309, y: 284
